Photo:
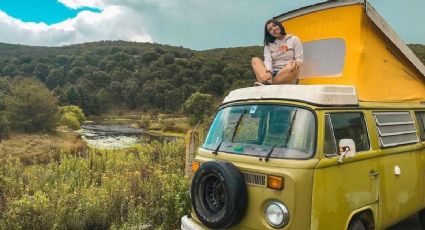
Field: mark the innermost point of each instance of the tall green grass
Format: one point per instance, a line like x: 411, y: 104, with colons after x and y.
x: 129, y: 189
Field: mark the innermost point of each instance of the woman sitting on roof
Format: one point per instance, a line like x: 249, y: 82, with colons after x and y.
x: 283, y: 56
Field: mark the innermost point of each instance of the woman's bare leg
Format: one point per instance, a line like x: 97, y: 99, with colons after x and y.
x: 260, y: 70
x: 287, y: 74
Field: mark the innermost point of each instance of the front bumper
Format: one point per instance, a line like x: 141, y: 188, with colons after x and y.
x: 188, y: 224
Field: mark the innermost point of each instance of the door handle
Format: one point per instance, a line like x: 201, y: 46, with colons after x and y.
x: 373, y: 173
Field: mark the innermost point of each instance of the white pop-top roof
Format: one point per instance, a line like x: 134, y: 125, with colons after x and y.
x: 314, y: 94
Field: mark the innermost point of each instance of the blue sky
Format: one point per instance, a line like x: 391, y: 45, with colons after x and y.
x: 47, y: 11
x: 195, y: 24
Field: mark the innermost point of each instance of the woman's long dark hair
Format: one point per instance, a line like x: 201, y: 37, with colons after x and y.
x: 268, y: 38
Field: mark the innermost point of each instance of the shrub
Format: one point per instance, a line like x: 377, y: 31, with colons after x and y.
x: 31, y: 107
x: 198, y: 105
x: 71, y: 116
x: 75, y: 110
x: 69, y: 120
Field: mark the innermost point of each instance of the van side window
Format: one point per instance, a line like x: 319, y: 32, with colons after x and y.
x: 324, y: 57
x: 420, y: 117
x: 395, y: 128
x: 350, y: 126
x: 329, y: 145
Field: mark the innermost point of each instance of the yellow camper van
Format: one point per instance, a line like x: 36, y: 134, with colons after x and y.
x: 342, y: 150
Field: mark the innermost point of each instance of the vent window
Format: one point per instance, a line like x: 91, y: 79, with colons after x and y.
x: 395, y: 128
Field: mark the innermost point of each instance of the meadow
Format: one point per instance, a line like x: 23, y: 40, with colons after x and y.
x: 139, y: 188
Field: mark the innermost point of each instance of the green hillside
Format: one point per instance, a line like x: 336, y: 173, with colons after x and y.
x: 97, y: 76
x: 419, y: 50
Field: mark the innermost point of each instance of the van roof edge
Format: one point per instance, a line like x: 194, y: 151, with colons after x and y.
x: 316, y: 7
x: 315, y: 94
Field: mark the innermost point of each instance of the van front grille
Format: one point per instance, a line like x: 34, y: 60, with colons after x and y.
x: 254, y: 179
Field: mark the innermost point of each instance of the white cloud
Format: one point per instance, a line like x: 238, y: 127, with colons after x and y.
x: 75, y: 4
x: 197, y: 24
x: 191, y: 23
x: 113, y: 23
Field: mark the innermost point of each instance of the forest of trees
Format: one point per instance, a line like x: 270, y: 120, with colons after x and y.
x: 102, y: 75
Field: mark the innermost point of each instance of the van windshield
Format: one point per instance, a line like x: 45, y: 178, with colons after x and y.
x: 258, y: 130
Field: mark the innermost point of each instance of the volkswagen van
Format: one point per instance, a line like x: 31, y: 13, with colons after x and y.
x: 308, y: 157
x: 342, y: 150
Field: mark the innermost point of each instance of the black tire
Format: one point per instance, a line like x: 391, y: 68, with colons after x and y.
x: 421, y: 215
x: 356, y: 225
x: 218, y: 194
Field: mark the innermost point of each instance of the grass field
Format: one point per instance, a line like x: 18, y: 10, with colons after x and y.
x: 127, y: 189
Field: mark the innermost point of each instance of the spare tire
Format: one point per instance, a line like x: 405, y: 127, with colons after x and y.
x: 218, y: 194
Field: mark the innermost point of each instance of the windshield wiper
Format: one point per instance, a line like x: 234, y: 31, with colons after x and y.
x: 287, y: 136
x: 235, y: 128
x: 290, y: 128
x: 218, y: 147
x: 269, y: 153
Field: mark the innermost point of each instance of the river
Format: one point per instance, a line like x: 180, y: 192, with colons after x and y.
x: 117, y: 136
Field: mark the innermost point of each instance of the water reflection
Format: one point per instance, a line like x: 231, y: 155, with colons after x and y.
x: 117, y: 136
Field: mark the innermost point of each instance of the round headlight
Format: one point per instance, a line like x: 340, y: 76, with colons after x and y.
x: 277, y: 215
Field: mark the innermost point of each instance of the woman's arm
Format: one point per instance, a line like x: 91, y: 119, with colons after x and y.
x: 268, y: 63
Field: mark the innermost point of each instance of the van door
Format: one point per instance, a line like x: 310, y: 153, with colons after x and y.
x: 400, y: 166
x: 342, y: 189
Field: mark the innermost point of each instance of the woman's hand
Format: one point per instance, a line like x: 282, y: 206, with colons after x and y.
x: 294, y: 65
x: 268, y: 77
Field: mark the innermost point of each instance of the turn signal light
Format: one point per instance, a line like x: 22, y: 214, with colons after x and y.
x: 274, y: 182
x: 195, y: 166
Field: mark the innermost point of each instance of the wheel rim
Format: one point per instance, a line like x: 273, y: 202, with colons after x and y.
x: 213, y: 194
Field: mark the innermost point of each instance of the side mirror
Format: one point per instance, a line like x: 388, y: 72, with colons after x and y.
x: 347, y: 148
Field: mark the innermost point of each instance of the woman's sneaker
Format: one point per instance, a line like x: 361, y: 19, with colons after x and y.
x: 261, y: 83
x: 258, y: 83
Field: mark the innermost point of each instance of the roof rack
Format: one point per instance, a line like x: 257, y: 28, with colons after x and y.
x: 314, y: 94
